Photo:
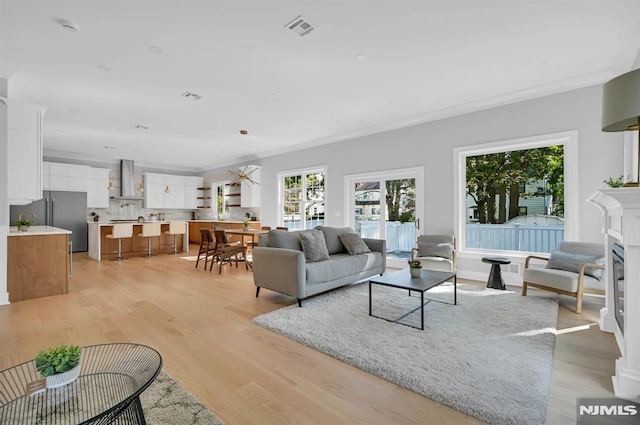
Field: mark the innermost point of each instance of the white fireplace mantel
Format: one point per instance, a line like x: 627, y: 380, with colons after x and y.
x: 621, y: 224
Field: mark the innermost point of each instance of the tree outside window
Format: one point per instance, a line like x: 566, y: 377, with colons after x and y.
x: 516, y: 199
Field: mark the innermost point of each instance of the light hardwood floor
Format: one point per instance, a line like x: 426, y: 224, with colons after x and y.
x: 201, y: 324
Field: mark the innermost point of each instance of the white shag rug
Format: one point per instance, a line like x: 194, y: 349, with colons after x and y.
x: 489, y: 357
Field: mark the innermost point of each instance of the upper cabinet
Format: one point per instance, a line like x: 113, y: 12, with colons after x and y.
x: 65, y: 177
x: 250, y: 190
x: 97, y: 188
x: 171, y: 192
x: 24, y: 150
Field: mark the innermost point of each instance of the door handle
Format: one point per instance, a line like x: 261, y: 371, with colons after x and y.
x: 70, y: 259
x: 417, y: 223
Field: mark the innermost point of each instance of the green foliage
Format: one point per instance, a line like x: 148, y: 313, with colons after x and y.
x: 415, y: 264
x: 24, y: 222
x: 614, y: 182
x: 495, y: 180
x: 57, y: 360
x: 401, y: 200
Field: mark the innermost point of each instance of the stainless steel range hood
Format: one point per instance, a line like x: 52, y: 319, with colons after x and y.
x: 127, y: 184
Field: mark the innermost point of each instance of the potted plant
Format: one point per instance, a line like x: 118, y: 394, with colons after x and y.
x: 415, y: 268
x: 24, y: 224
x: 245, y: 225
x: 614, y: 182
x: 59, y: 365
x: 95, y: 216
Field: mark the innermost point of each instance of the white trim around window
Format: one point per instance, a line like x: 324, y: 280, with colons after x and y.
x: 568, y: 139
x: 299, y: 171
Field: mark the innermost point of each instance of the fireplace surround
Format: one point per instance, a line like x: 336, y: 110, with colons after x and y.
x: 621, y: 313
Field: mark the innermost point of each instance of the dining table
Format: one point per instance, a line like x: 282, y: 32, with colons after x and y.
x: 248, y: 232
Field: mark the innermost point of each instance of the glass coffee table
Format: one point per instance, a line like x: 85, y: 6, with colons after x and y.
x: 402, y: 279
x: 112, y: 377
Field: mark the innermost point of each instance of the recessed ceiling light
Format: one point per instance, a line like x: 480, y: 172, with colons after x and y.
x: 155, y: 49
x: 73, y: 111
x: 69, y: 26
x: 542, y: 65
x: 244, y: 132
x: 103, y: 68
x: 141, y: 127
x: 273, y: 95
x: 359, y: 57
x: 110, y: 147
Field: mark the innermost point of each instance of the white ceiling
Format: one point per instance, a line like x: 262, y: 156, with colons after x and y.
x: 423, y: 60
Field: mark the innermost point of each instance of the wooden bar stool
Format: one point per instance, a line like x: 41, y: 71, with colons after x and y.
x: 149, y: 230
x: 120, y: 231
x: 176, y: 227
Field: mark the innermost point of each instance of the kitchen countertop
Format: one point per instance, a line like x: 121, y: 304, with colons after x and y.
x: 38, y: 231
x: 221, y: 221
x: 135, y: 223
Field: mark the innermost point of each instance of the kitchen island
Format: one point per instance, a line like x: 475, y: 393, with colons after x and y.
x: 103, y: 248
x: 38, y: 262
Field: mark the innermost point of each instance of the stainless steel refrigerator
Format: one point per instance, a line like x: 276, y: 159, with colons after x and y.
x: 65, y: 210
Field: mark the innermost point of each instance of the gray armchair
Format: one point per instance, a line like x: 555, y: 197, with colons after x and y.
x: 574, y: 269
x: 436, y: 252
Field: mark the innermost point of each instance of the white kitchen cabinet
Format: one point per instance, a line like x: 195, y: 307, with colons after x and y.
x: 191, y: 191
x: 65, y: 177
x: 98, y: 188
x: 24, y: 151
x: 174, y: 196
x: 250, y: 192
x: 153, y: 190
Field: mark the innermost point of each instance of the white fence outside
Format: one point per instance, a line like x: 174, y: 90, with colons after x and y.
x: 514, y: 237
x: 401, y: 237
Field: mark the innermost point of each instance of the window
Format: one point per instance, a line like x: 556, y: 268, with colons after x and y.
x: 511, y: 194
x: 220, y: 202
x: 302, y: 199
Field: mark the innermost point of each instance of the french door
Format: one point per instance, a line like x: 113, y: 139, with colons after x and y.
x: 387, y: 205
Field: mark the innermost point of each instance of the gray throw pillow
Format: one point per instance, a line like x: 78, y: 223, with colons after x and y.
x: 560, y: 260
x: 435, y: 249
x: 313, y: 246
x: 332, y: 237
x: 354, y: 243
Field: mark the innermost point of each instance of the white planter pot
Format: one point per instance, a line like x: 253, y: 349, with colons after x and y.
x: 415, y: 272
x: 62, y: 379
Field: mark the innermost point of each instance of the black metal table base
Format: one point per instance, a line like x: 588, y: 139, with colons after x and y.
x: 420, y: 307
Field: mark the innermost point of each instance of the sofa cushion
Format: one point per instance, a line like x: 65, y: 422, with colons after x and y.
x: 284, y: 239
x: 342, y: 265
x: 560, y: 279
x: 560, y: 260
x: 353, y: 243
x: 332, y: 239
x: 433, y: 249
x: 313, y: 246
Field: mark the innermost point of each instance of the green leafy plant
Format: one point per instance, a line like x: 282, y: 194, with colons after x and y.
x: 415, y: 264
x: 57, y: 360
x: 25, y: 222
x: 614, y: 182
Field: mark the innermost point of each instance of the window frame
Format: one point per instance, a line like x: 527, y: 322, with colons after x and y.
x: 568, y: 139
x: 303, y: 172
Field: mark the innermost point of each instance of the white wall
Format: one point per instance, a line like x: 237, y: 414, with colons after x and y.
x: 431, y: 145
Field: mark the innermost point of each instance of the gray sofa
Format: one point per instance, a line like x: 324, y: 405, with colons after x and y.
x: 279, y: 262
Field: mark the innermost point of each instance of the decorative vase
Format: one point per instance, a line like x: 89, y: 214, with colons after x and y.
x: 61, y: 379
x: 23, y: 228
x: 245, y: 228
x: 415, y: 272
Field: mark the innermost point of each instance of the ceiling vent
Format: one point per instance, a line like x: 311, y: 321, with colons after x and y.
x: 300, y: 26
x: 190, y: 95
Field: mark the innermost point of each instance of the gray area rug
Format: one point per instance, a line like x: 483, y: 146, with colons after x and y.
x: 489, y: 357
x: 165, y: 402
